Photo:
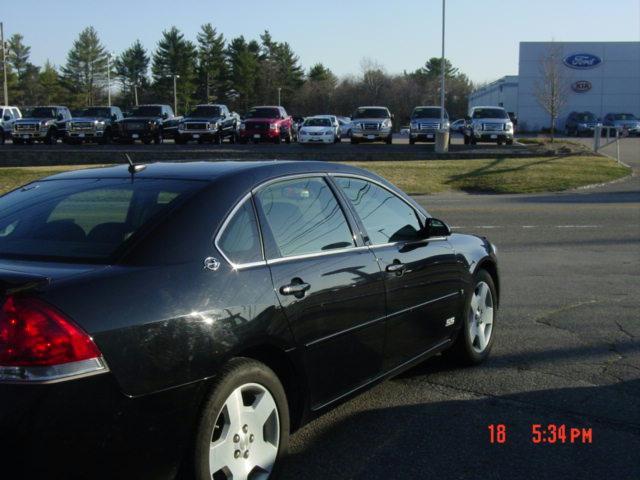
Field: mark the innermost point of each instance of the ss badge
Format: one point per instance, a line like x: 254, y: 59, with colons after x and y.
x: 211, y: 263
x: 449, y: 321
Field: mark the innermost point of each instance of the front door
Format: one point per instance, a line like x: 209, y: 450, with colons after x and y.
x: 422, y: 277
x: 329, y: 285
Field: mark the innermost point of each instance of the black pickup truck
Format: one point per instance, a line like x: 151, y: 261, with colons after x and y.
x: 208, y: 123
x: 95, y: 124
x: 43, y: 124
x: 148, y: 123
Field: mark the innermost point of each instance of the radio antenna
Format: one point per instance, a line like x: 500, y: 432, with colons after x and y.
x: 133, y: 168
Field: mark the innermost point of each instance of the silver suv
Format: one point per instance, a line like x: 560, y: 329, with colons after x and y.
x: 372, y: 124
x: 488, y: 124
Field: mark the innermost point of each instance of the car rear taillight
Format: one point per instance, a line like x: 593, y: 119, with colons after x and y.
x: 37, y: 342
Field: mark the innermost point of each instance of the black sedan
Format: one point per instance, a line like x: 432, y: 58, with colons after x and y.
x: 183, y: 319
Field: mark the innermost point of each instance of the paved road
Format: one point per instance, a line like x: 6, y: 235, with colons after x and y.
x: 567, y: 352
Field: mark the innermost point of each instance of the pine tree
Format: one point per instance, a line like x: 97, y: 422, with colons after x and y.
x: 18, y: 54
x: 244, y: 64
x: 51, y: 88
x: 175, y: 56
x: 131, y: 69
x: 212, y: 65
x: 86, y: 68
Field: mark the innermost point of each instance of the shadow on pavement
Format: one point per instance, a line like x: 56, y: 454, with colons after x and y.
x: 450, y: 439
x: 630, y: 196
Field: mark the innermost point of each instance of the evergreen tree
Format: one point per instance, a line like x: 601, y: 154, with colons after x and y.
x: 175, y: 56
x: 86, y: 69
x: 320, y: 73
x: 131, y: 69
x: 212, y: 66
x: 244, y: 64
x: 51, y: 89
x: 18, y: 54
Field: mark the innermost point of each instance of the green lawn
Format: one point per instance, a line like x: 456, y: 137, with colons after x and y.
x: 421, y: 177
x: 526, y: 175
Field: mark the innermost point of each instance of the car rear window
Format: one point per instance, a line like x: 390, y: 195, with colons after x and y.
x: 84, y: 219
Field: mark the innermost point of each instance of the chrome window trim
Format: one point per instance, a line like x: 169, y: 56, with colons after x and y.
x: 234, y: 210
x: 316, y: 254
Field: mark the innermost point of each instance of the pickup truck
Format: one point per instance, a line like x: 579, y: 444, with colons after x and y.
x: 208, y: 123
x: 8, y: 116
x: 267, y: 123
x: 425, y: 123
x: 488, y: 124
x: 371, y: 124
x: 44, y: 124
x: 147, y: 123
x: 95, y: 124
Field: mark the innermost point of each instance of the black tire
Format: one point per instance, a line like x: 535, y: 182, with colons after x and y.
x: 277, y: 140
x: 500, y: 142
x: 467, y: 141
x: 237, y: 372
x: 146, y: 141
x: 217, y: 139
x: 233, y: 138
x: 3, y: 137
x: 389, y: 140
x: 412, y: 141
x: 288, y: 138
x: 462, y: 350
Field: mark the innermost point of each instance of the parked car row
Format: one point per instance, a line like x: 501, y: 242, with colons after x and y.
x: 585, y: 123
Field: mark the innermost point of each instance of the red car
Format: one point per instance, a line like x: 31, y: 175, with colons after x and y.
x: 267, y: 123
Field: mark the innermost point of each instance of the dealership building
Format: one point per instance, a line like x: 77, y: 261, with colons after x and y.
x: 599, y: 77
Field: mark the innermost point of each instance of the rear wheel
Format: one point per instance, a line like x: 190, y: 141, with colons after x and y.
x: 244, y: 424
x: 476, y: 336
x: 52, y: 137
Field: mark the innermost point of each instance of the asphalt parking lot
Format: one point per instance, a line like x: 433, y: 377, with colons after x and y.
x: 567, y: 352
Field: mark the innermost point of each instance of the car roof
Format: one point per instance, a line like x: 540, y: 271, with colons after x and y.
x: 210, y: 171
x: 372, y: 106
x: 487, y: 106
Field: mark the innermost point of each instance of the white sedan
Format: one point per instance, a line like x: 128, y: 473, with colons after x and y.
x: 319, y: 129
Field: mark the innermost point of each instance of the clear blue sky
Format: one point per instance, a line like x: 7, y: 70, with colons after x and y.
x: 482, y: 35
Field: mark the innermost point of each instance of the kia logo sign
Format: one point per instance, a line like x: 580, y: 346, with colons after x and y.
x: 582, y: 60
x: 581, y: 86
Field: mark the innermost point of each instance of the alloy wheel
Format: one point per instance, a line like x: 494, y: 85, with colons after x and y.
x: 246, y: 435
x: 480, y: 318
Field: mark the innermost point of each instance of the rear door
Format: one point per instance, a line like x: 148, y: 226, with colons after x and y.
x: 328, y: 283
x: 422, y: 279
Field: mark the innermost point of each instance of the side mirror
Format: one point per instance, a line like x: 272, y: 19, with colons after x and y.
x: 60, y: 116
x: 165, y: 115
x: 435, y: 228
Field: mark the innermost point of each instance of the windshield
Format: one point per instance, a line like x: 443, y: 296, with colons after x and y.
x: 82, y: 220
x: 426, y: 112
x: 205, y: 111
x: 586, y: 117
x: 263, y: 113
x: 99, y: 112
x: 43, y: 112
x: 317, y: 122
x: 371, y: 113
x: 624, y: 116
x: 148, y: 111
x: 489, y: 113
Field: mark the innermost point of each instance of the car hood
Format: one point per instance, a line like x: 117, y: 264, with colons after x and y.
x: 140, y: 119
x: 34, y: 120
x: 316, y: 129
x: 201, y: 119
x: 89, y: 119
x: 376, y: 120
x: 262, y: 120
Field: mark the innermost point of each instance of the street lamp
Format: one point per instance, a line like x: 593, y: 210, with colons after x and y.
x: 109, y: 55
x: 175, y: 92
x: 279, y: 96
x: 442, y: 136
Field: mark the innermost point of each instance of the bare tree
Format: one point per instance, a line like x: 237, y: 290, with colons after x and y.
x: 552, y: 90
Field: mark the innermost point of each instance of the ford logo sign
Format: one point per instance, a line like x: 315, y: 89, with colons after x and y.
x: 581, y: 86
x: 582, y: 60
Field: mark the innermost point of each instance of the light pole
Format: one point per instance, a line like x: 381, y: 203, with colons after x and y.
x: 109, y: 78
x: 4, y: 65
x: 175, y: 93
x: 442, y: 136
x: 279, y: 96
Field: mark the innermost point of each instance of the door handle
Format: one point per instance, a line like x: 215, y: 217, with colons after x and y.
x: 396, y: 268
x: 297, y: 288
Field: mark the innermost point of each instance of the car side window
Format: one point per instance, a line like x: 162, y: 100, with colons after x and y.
x: 304, y: 217
x: 385, y: 216
x: 240, y: 239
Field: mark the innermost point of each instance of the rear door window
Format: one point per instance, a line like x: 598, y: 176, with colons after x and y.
x: 239, y: 241
x: 83, y: 219
x: 304, y: 217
